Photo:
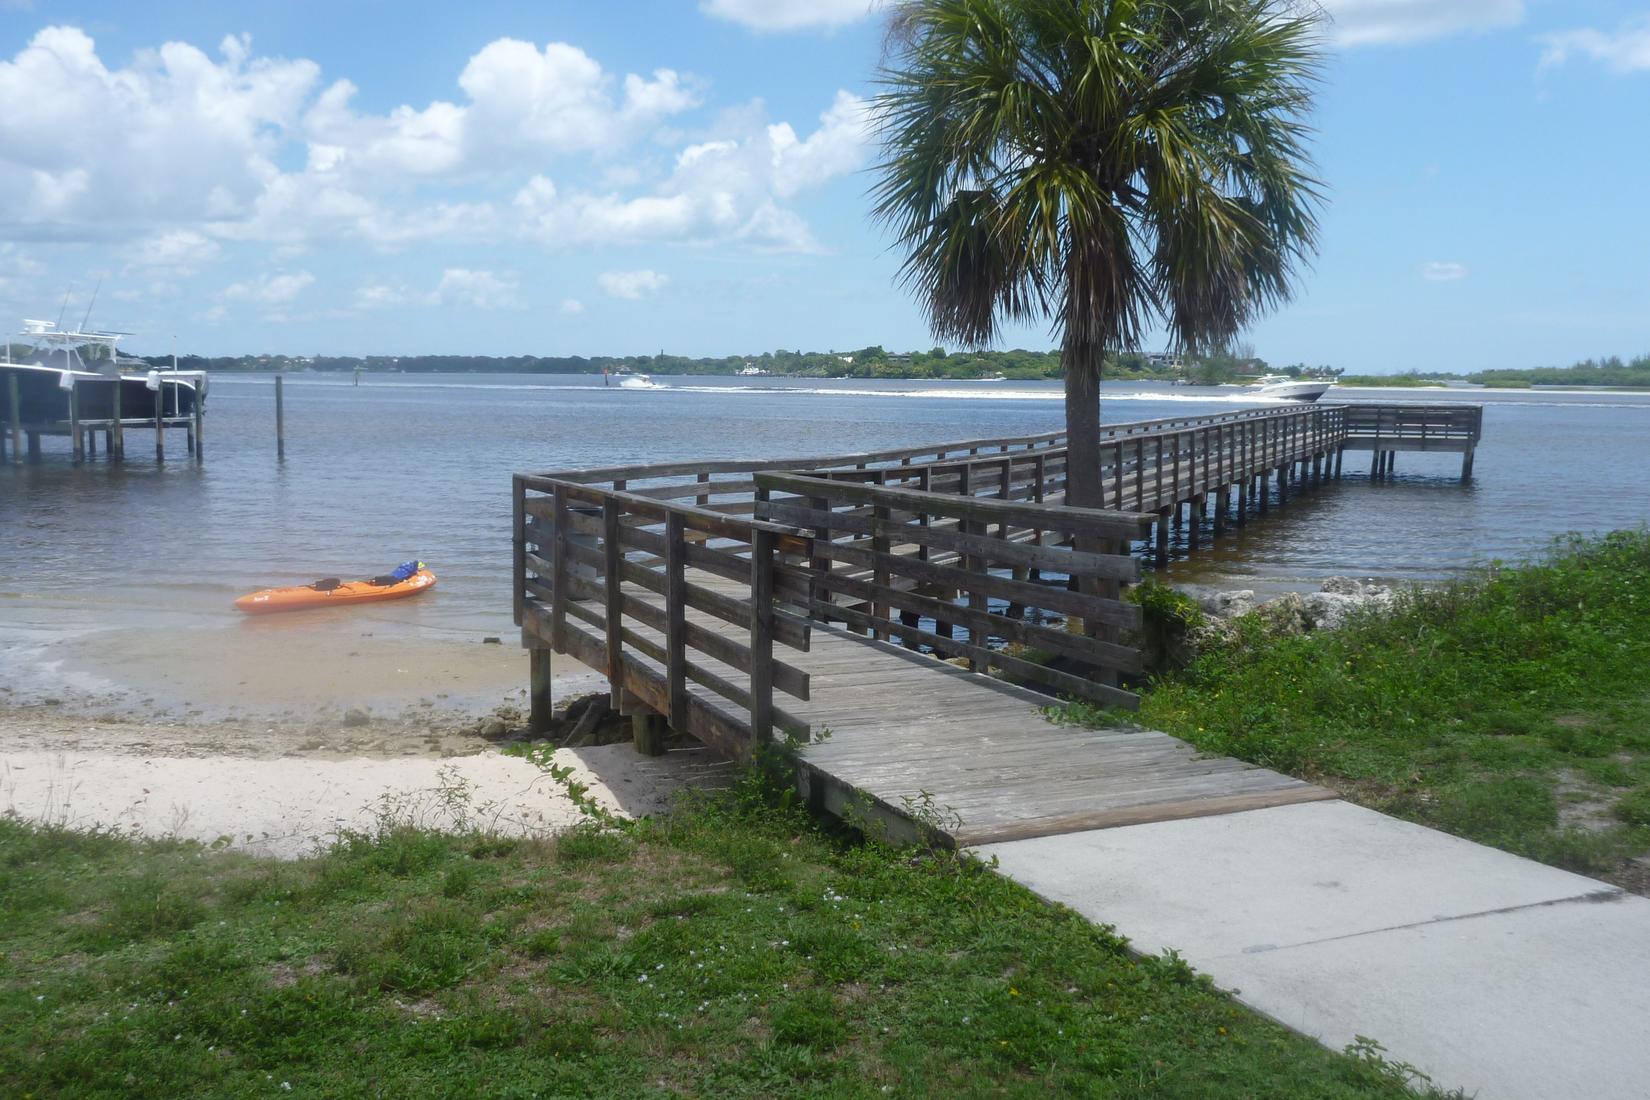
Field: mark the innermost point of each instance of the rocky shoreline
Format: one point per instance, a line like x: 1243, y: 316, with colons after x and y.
x: 1336, y: 600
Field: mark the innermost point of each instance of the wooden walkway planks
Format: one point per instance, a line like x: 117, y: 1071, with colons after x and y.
x: 903, y: 725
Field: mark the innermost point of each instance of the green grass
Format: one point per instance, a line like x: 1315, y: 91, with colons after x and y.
x: 1512, y: 708
x: 732, y: 950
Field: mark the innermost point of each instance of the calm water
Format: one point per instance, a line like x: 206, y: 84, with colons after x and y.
x: 418, y: 466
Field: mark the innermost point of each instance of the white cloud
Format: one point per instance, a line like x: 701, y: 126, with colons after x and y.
x: 175, y: 137
x: 183, y: 250
x: 790, y: 15
x: 480, y: 289
x: 1389, y: 22
x: 1443, y: 271
x: 727, y: 189
x: 631, y: 284
x: 269, y: 289
x: 572, y: 306
x: 1624, y: 50
x: 836, y: 148
x: 380, y: 296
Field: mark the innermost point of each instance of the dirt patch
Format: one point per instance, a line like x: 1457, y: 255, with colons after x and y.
x: 1582, y: 805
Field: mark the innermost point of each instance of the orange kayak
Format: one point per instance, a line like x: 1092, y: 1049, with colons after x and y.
x: 334, y: 593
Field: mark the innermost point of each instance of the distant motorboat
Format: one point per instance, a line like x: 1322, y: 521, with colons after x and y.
x: 752, y: 372
x: 638, y: 382
x: 1281, y: 387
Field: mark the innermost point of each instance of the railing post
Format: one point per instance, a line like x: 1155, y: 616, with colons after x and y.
x: 676, y: 619
x: 612, y: 532
x: 762, y: 552
x: 558, y: 582
x: 881, y: 517
x: 518, y: 547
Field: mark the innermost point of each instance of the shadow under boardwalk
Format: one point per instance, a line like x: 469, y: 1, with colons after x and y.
x: 976, y: 758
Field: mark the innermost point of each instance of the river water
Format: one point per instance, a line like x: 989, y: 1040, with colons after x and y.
x: 406, y: 466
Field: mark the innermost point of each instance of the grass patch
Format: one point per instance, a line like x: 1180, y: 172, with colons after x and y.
x: 1512, y: 708
x: 733, y: 950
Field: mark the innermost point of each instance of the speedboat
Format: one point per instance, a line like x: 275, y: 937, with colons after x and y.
x: 1281, y: 387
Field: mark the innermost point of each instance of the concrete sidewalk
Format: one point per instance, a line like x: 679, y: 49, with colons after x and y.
x: 1490, y: 973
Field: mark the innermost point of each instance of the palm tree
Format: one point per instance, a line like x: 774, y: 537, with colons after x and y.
x: 1104, y: 164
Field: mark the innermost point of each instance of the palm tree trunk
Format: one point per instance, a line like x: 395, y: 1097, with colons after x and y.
x: 1081, y: 363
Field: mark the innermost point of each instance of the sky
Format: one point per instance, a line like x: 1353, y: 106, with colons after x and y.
x: 356, y: 177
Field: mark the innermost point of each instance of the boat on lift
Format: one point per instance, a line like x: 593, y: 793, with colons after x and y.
x: 62, y: 362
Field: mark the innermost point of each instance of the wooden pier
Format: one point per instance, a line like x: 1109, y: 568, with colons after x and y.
x: 910, y: 615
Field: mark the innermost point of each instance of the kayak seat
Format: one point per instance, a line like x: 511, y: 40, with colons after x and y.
x: 326, y: 584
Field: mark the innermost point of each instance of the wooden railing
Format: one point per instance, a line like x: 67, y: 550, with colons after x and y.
x: 915, y: 565
x: 679, y: 580
x: 1452, y: 425
x: 647, y: 590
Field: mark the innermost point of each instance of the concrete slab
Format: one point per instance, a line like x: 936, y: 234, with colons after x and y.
x: 1533, y: 1004
x: 1488, y: 972
x: 1277, y: 877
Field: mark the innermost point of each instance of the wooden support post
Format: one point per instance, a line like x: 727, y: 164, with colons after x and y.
x: 1374, y: 464
x: 91, y: 442
x: 539, y: 699
x: 15, y: 404
x: 1466, y: 464
x: 675, y: 623
x: 1339, y: 453
x: 1220, y: 510
x: 1163, y: 537
x: 613, y: 583
x: 160, y: 424
x: 117, y: 430
x: 1263, y: 491
x: 1243, y: 499
x: 761, y: 644
x: 1195, y: 508
x: 647, y: 732
x: 1391, y: 462
x: 196, y: 432
x: 882, y: 519
x: 912, y: 620
x: 280, y: 420
x: 77, y: 441
x: 1283, y: 484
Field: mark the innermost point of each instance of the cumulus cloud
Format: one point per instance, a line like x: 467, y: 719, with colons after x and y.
x: 269, y: 290
x: 182, y: 250
x: 176, y: 137
x: 1389, y: 22
x: 727, y: 189
x: 1443, y: 271
x: 631, y: 284
x: 790, y: 15
x: 1624, y: 50
x: 477, y: 289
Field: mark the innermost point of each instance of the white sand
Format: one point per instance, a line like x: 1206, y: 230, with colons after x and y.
x: 289, y: 806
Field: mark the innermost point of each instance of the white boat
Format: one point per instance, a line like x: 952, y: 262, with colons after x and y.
x: 89, y: 366
x: 752, y: 372
x: 1284, y: 388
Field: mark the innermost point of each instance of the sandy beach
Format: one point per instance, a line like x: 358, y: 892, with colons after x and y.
x: 273, y: 740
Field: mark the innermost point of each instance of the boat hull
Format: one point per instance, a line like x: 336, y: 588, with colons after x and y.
x: 42, y: 400
x: 307, y: 597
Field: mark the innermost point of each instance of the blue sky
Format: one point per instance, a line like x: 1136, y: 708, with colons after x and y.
x: 690, y: 175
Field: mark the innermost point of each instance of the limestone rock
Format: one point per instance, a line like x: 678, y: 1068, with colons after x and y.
x: 356, y: 716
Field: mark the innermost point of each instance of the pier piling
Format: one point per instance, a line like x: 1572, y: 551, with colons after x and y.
x: 16, y: 405
x: 280, y: 421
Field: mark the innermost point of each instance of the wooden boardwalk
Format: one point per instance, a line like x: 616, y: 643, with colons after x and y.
x: 903, y: 725
x: 735, y: 601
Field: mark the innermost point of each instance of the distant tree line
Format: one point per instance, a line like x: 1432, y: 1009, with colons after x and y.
x: 868, y: 362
